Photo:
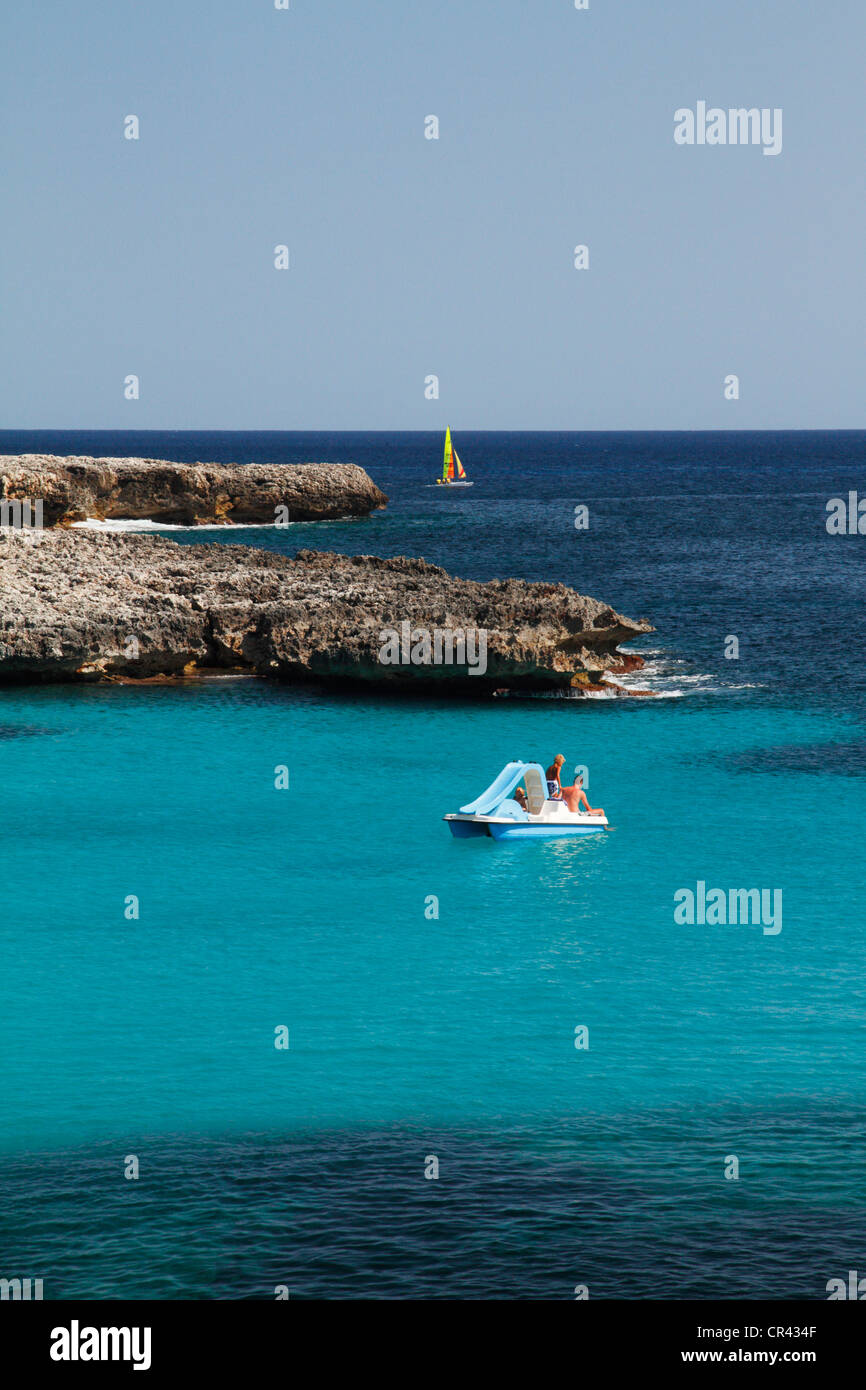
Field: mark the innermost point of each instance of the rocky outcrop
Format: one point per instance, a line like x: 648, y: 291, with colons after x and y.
x: 88, y: 606
x: 188, y: 494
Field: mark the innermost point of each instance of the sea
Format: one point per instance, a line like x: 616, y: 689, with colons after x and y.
x: 261, y: 1040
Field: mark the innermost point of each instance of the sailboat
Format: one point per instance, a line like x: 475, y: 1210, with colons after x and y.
x: 453, y: 472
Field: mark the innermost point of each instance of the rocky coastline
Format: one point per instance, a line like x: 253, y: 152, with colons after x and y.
x: 80, y: 605
x: 72, y: 489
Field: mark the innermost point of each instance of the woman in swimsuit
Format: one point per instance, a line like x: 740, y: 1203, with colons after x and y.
x: 572, y: 796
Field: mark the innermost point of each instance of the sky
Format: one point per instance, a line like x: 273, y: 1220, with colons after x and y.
x: 412, y: 257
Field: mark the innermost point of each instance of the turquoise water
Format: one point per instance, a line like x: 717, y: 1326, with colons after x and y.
x: 416, y: 1031
x: 307, y: 908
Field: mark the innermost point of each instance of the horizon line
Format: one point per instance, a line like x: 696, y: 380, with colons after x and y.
x: 463, y: 429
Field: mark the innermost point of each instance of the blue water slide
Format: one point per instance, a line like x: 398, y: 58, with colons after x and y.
x: 497, y: 791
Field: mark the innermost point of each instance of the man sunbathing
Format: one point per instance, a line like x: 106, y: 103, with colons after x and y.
x: 572, y: 796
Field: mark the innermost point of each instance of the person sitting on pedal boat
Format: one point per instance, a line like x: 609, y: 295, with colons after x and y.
x: 572, y: 796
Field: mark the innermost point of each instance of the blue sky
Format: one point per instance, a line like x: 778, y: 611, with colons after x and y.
x: 410, y: 256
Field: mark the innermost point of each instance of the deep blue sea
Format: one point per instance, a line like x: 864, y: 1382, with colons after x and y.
x: 415, y: 1036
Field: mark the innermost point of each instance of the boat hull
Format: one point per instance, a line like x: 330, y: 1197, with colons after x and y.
x: 520, y: 830
x: 467, y: 830
x: 466, y: 827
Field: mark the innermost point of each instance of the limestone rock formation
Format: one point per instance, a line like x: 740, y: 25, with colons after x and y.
x: 80, y: 605
x: 188, y: 494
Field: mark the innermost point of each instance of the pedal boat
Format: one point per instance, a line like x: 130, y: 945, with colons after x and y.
x: 496, y: 813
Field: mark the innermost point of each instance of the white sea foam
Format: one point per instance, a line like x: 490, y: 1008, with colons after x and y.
x: 230, y: 676
x: 671, y: 677
x: 666, y: 678
x: 117, y: 525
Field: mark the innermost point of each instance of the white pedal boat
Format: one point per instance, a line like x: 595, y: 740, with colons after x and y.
x: 496, y: 813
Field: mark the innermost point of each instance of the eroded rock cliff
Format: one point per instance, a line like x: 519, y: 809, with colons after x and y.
x: 79, y: 605
x: 188, y: 494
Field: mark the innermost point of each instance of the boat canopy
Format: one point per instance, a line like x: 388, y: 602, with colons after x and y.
x: 504, y: 785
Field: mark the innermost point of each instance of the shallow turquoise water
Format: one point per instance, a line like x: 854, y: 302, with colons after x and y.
x: 306, y: 908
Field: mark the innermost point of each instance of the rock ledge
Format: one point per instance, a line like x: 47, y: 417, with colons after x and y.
x: 187, y: 494
x: 88, y: 606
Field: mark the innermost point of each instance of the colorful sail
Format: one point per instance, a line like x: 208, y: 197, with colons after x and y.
x: 452, y: 469
x: 448, y: 464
